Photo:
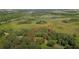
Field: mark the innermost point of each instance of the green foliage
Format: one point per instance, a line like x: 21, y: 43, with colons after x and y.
x: 8, y: 17
x: 65, y: 21
x: 41, y: 22
x: 31, y: 34
x: 71, y: 20
x: 51, y: 43
x: 22, y: 39
x: 25, y: 22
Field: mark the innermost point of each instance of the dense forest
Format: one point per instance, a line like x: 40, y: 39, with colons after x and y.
x: 39, y: 29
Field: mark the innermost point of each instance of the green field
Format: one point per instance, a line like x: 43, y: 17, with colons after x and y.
x: 39, y: 29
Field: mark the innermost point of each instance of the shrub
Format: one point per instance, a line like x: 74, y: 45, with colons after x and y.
x: 25, y: 22
x: 41, y: 22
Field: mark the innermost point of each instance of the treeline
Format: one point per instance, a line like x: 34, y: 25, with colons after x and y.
x: 6, y: 17
x: 71, y: 20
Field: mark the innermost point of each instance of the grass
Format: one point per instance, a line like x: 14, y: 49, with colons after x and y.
x: 54, y: 25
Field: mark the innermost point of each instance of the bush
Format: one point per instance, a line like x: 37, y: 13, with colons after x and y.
x: 65, y: 21
x: 51, y: 43
x: 25, y: 22
x: 41, y: 22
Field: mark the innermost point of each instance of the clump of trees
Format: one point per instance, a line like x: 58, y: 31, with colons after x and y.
x: 61, y: 39
x: 6, y: 17
x: 71, y: 20
x: 74, y: 20
x: 65, y: 21
x: 41, y: 22
x: 25, y: 22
